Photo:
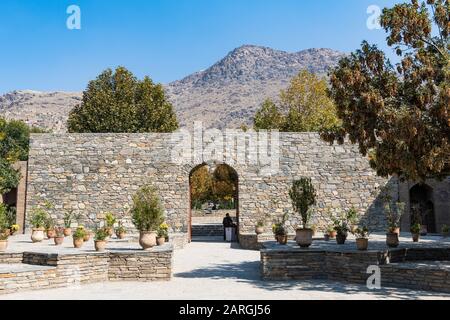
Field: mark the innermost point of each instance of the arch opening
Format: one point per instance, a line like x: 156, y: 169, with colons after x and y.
x: 422, y: 207
x: 213, y: 202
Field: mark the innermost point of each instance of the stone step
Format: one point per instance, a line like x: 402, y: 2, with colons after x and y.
x: 207, y: 230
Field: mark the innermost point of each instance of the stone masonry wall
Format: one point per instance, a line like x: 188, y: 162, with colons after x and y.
x: 95, y: 173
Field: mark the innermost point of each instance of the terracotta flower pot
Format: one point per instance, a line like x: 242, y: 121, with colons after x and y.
x: 87, y: 237
x: 282, y: 239
x: 78, y: 243
x: 37, y: 235
x: 3, y: 245
x: 110, y: 231
x: 51, y: 233
x: 259, y: 230
x: 341, y: 238
x: 396, y: 231
x: 67, y: 232
x: 392, y: 240
x: 160, y: 241
x: 147, y: 239
x: 304, y: 237
x: 362, y: 244
x: 332, y: 234
x: 100, y: 245
x: 416, y: 237
x: 8, y: 232
x: 121, y: 235
x: 58, y: 240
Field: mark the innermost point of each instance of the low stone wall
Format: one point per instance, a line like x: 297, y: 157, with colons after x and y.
x: 140, y: 266
x: 30, y: 270
x: 414, y: 268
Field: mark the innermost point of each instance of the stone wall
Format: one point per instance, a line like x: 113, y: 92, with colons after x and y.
x: 95, y: 173
x: 29, y: 270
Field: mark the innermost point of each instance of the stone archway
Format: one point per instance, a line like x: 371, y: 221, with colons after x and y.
x: 206, y: 214
x: 422, y: 206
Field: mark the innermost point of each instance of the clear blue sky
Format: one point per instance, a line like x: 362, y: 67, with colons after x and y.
x: 165, y: 39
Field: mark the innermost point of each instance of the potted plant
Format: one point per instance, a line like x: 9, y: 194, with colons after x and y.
x: 87, y: 235
x: 50, y: 227
x: 281, y: 234
x: 101, y: 234
x: 59, y: 236
x: 303, y: 196
x: 13, y: 229
x: 331, y: 232
x: 393, y: 215
x: 78, y: 237
x: 37, y: 220
x: 445, y: 230
x: 415, y: 231
x: 362, y: 237
x: 110, y: 220
x: 3, y: 228
x: 68, y: 219
x: 147, y: 215
x: 120, y: 231
x: 259, y: 228
x: 342, y: 224
x: 163, y: 231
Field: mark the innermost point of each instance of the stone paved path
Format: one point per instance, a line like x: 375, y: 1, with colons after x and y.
x: 220, y: 271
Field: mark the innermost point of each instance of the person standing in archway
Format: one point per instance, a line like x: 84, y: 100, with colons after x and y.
x: 227, y: 223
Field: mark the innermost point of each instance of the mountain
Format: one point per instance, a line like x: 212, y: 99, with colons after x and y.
x: 227, y: 94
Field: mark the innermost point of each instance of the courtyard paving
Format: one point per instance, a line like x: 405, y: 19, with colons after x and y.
x: 213, y: 270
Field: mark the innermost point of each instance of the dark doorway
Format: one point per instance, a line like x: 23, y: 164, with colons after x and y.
x: 422, y: 206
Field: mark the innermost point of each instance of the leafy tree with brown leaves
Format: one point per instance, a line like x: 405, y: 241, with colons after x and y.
x: 118, y: 102
x: 399, y: 116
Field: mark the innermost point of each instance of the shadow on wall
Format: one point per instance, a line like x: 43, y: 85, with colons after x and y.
x: 374, y: 216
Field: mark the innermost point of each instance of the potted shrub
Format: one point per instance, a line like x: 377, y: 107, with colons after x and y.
x: 343, y: 224
x: 101, y: 234
x: 331, y: 232
x: 37, y: 220
x: 110, y: 220
x: 59, y: 236
x: 303, y: 196
x: 163, y: 231
x: 147, y: 215
x: 120, y: 231
x: 68, y: 219
x: 13, y: 229
x: 281, y: 234
x: 78, y: 237
x: 87, y: 235
x: 445, y: 230
x: 362, y: 237
x: 4, y: 234
x: 50, y: 227
x: 415, y: 232
x: 393, y: 215
x: 259, y: 228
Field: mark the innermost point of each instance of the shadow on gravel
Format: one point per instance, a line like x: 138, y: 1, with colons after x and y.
x: 249, y: 272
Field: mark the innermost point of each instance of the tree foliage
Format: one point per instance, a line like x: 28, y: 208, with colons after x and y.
x: 399, y: 116
x: 147, y: 210
x: 201, y: 185
x: 304, y: 106
x: 118, y: 102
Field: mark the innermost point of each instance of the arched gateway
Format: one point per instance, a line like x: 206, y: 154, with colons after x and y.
x: 96, y: 173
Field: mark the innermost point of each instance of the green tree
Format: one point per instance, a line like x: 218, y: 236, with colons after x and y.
x: 304, y: 106
x: 118, y: 102
x: 14, y: 140
x: 268, y: 117
x: 399, y: 116
x: 224, y: 183
x: 309, y: 107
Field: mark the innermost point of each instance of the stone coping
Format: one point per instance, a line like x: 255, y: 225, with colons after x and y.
x: 377, y: 243
x: 21, y: 267
x: 22, y: 244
